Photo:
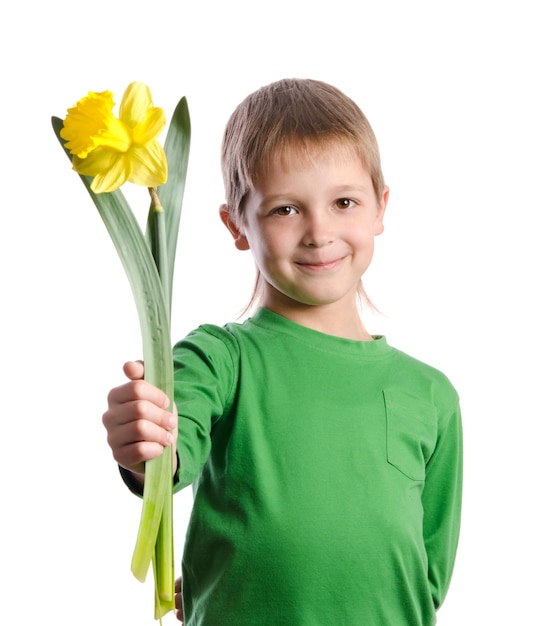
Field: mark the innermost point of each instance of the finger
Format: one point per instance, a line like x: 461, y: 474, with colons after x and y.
x: 140, y: 431
x: 134, y: 369
x: 178, y: 600
x: 135, y: 440
x: 134, y: 443
x: 134, y: 456
x: 138, y: 390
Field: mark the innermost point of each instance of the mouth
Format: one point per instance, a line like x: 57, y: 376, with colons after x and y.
x: 321, y: 266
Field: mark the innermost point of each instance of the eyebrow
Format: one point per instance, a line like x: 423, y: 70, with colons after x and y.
x: 338, y: 190
x: 350, y: 188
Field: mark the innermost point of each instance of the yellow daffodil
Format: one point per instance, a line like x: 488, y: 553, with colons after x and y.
x: 115, y: 150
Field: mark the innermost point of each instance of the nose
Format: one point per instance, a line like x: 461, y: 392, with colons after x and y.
x: 319, y: 230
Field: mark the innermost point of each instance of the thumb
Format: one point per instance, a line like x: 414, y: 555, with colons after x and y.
x: 134, y: 370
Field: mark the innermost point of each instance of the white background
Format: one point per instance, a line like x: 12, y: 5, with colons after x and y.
x: 451, y: 91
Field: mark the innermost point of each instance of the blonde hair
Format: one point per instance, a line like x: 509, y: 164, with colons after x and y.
x: 286, y: 117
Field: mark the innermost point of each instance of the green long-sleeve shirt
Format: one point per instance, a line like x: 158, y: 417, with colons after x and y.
x: 326, y: 474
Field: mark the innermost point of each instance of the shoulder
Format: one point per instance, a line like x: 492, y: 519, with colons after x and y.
x: 418, y: 377
x: 208, y: 358
x: 420, y: 367
x: 419, y: 390
x: 210, y: 340
x: 233, y: 336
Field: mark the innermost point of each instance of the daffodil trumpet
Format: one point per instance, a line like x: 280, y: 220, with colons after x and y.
x: 106, y: 152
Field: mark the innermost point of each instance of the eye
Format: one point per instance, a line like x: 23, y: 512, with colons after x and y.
x: 344, y: 203
x: 284, y: 211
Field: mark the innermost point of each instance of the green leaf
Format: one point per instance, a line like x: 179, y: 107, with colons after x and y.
x: 177, y: 145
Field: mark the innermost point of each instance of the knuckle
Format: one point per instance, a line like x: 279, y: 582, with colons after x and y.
x: 141, y: 430
x: 138, y: 389
x: 144, y: 410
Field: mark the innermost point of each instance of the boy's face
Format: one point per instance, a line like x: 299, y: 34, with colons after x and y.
x: 310, y: 226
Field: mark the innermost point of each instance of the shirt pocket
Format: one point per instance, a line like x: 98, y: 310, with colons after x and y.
x: 411, y: 433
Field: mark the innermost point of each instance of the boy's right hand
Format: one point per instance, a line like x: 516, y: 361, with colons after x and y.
x: 138, y: 423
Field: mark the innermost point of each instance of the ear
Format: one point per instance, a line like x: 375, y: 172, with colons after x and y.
x: 379, y: 221
x: 240, y: 240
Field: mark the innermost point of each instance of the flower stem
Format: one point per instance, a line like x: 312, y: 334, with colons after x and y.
x: 163, y: 558
x: 157, y: 236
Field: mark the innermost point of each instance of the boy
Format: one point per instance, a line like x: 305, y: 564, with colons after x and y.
x: 326, y: 465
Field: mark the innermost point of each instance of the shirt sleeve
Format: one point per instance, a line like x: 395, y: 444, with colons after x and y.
x: 442, y: 496
x: 205, y: 374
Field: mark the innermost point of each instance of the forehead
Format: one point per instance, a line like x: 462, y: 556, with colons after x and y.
x: 294, y: 156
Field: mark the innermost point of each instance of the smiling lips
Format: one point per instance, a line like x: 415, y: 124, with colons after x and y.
x: 321, y: 266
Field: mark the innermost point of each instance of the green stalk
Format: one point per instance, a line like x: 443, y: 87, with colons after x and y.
x: 153, y: 314
x: 163, y: 559
x: 163, y: 569
x: 156, y: 235
x: 162, y: 234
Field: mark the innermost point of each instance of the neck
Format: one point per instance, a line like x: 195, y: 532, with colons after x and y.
x: 326, y: 319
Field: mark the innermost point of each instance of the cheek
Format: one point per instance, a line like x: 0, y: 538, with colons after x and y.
x: 274, y: 243
x: 261, y: 249
x: 363, y: 238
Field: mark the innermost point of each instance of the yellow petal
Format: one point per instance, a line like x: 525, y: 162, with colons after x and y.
x: 117, y: 136
x: 149, y: 165
x: 151, y: 127
x: 97, y: 161
x: 136, y: 101
x: 115, y: 176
